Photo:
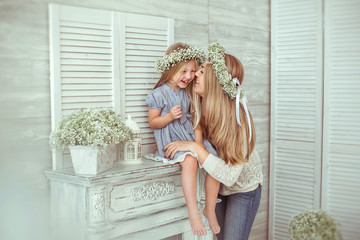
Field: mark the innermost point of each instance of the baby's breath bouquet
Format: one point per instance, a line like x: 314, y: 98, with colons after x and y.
x: 314, y: 225
x: 93, y: 127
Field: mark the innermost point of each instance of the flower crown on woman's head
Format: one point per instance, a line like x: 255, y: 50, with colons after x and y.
x: 217, y: 60
x: 182, y: 54
x: 231, y: 86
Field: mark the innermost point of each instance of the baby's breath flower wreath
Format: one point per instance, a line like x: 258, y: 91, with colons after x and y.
x: 165, y: 62
x: 231, y: 86
x: 217, y: 60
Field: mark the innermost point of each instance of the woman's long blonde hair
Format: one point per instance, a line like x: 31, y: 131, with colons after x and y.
x: 218, y: 116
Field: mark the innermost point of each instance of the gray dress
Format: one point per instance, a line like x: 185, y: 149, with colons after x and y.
x: 164, y: 98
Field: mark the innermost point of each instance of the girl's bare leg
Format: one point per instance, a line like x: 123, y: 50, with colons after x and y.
x: 211, y: 193
x: 188, y: 182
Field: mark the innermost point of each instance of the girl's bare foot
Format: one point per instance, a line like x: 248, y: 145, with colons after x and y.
x: 213, y: 223
x: 197, y: 225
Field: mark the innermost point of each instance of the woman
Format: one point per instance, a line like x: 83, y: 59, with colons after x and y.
x: 228, y: 125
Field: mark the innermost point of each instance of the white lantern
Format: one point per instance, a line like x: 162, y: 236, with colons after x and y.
x: 132, y: 150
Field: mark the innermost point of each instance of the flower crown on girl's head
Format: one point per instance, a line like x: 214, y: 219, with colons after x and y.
x: 217, y: 60
x: 165, y: 62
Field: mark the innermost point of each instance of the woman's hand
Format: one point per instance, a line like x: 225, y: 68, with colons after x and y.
x: 181, y: 146
x: 178, y: 146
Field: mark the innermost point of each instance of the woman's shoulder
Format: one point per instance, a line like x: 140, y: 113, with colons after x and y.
x: 254, y: 157
x: 255, y: 153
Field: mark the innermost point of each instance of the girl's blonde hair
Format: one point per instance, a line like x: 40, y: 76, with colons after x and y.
x: 218, y: 116
x: 173, y: 70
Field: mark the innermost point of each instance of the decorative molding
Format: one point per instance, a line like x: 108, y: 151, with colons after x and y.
x: 152, y: 191
x: 97, y: 207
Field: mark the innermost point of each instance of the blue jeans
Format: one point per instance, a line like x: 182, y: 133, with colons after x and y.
x: 236, y: 214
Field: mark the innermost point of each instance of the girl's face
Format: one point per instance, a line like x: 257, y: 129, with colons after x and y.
x: 199, y: 86
x: 184, y: 77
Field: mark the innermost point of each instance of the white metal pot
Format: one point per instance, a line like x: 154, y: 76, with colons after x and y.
x: 91, y: 160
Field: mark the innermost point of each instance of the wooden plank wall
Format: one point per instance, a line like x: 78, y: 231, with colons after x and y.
x: 243, y: 27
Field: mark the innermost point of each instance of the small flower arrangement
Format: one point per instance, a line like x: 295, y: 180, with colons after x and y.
x: 93, y: 127
x: 314, y: 225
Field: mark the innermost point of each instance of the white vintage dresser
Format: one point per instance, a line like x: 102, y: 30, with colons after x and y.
x: 126, y: 202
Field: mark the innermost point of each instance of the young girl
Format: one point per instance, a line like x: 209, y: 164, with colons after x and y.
x: 169, y: 116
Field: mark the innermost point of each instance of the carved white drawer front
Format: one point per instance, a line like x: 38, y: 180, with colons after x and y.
x: 135, y: 199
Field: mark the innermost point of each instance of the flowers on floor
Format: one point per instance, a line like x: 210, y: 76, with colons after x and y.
x: 314, y: 225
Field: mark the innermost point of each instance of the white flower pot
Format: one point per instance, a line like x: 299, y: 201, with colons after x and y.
x: 90, y: 160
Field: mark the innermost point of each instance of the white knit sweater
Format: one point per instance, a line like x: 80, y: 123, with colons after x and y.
x: 235, y: 178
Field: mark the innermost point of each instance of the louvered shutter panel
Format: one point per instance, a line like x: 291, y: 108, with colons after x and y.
x: 341, y: 156
x: 82, y: 63
x: 102, y: 58
x: 146, y: 39
x: 296, y: 111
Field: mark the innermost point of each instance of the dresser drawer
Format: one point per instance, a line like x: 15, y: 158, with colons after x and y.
x: 144, y: 197
x: 153, y: 226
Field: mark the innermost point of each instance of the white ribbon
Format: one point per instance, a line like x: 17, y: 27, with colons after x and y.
x: 243, y: 100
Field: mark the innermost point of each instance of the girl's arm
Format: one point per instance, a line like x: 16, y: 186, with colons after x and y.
x: 215, y: 166
x: 156, y: 121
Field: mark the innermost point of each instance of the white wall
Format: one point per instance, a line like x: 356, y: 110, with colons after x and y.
x: 241, y: 26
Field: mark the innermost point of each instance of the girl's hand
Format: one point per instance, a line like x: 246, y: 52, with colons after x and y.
x: 175, y: 112
x: 178, y: 146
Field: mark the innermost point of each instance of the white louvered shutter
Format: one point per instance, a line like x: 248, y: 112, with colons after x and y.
x: 296, y: 111
x: 146, y: 39
x: 101, y: 58
x: 81, y: 47
x: 341, y: 152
